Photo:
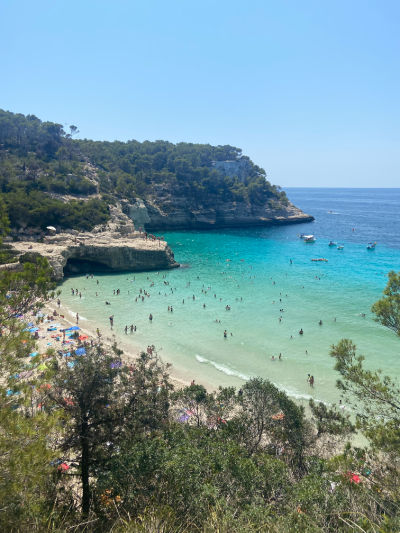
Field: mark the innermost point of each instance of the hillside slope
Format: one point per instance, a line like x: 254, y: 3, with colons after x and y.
x: 49, y: 178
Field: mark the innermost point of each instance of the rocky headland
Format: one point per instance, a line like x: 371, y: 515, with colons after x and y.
x: 116, y: 247
x: 176, y: 213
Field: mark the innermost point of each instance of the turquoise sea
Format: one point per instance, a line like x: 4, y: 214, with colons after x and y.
x: 250, y: 271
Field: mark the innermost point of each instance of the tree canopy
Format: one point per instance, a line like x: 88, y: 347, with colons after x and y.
x: 46, y: 174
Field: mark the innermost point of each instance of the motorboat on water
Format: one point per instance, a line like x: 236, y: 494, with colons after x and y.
x: 332, y: 243
x: 309, y: 238
x: 371, y: 246
x: 340, y: 247
x: 320, y: 259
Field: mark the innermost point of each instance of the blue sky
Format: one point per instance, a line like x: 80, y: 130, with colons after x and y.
x: 308, y: 89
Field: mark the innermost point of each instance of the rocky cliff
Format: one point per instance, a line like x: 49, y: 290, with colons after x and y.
x: 176, y: 213
x: 113, y: 248
x: 50, y: 179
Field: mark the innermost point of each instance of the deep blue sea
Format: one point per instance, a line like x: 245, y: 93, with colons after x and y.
x: 273, y: 289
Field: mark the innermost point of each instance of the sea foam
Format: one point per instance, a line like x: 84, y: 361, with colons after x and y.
x: 222, y: 368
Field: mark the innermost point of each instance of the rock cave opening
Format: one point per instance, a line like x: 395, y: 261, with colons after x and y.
x: 84, y: 266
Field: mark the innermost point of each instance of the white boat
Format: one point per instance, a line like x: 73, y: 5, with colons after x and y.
x: 340, y: 247
x: 309, y: 238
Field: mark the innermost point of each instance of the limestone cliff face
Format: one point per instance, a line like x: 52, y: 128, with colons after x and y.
x: 99, y: 253
x: 176, y: 213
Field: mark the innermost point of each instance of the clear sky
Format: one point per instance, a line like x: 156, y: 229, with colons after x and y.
x: 310, y: 90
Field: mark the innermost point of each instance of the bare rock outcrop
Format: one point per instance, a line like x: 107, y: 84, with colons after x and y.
x: 175, y: 213
x: 101, y: 252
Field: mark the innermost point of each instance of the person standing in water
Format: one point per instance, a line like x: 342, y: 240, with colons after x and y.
x: 150, y: 317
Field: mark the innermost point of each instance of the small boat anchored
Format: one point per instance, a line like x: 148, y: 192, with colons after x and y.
x: 320, y: 259
x: 309, y: 238
x: 371, y: 246
x: 332, y: 243
x: 340, y: 247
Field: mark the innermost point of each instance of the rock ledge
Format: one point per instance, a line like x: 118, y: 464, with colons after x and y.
x: 99, y: 252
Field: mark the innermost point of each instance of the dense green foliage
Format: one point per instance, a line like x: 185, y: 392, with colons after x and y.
x: 387, y: 309
x: 39, y: 162
x: 139, y: 169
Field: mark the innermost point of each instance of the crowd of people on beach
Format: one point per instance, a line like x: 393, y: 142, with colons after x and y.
x: 161, y: 285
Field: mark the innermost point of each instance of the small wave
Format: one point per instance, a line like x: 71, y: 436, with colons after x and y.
x: 230, y: 372
x: 298, y: 395
x: 222, y: 368
x: 73, y: 313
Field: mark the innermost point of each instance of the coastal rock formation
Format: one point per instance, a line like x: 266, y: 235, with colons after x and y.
x: 75, y: 184
x: 106, y: 251
x: 176, y: 213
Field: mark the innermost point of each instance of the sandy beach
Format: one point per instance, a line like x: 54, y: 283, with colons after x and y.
x: 63, y: 319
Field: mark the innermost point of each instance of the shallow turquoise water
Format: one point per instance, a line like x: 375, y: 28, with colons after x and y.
x: 250, y: 271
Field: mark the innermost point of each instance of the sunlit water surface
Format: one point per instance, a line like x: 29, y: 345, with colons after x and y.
x: 250, y: 270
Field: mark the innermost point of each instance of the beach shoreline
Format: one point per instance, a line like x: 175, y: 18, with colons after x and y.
x: 131, y: 353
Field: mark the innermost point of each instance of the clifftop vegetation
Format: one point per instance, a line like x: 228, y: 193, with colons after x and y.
x: 49, y: 178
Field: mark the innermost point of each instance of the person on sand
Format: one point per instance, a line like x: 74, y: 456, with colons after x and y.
x: 111, y: 319
x: 126, y: 330
x: 58, y: 302
x: 77, y: 318
x: 312, y: 381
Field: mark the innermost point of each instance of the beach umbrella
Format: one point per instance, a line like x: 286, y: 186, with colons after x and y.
x: 83, y: 337
x: 80, y: 351
x: 73, y: 328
